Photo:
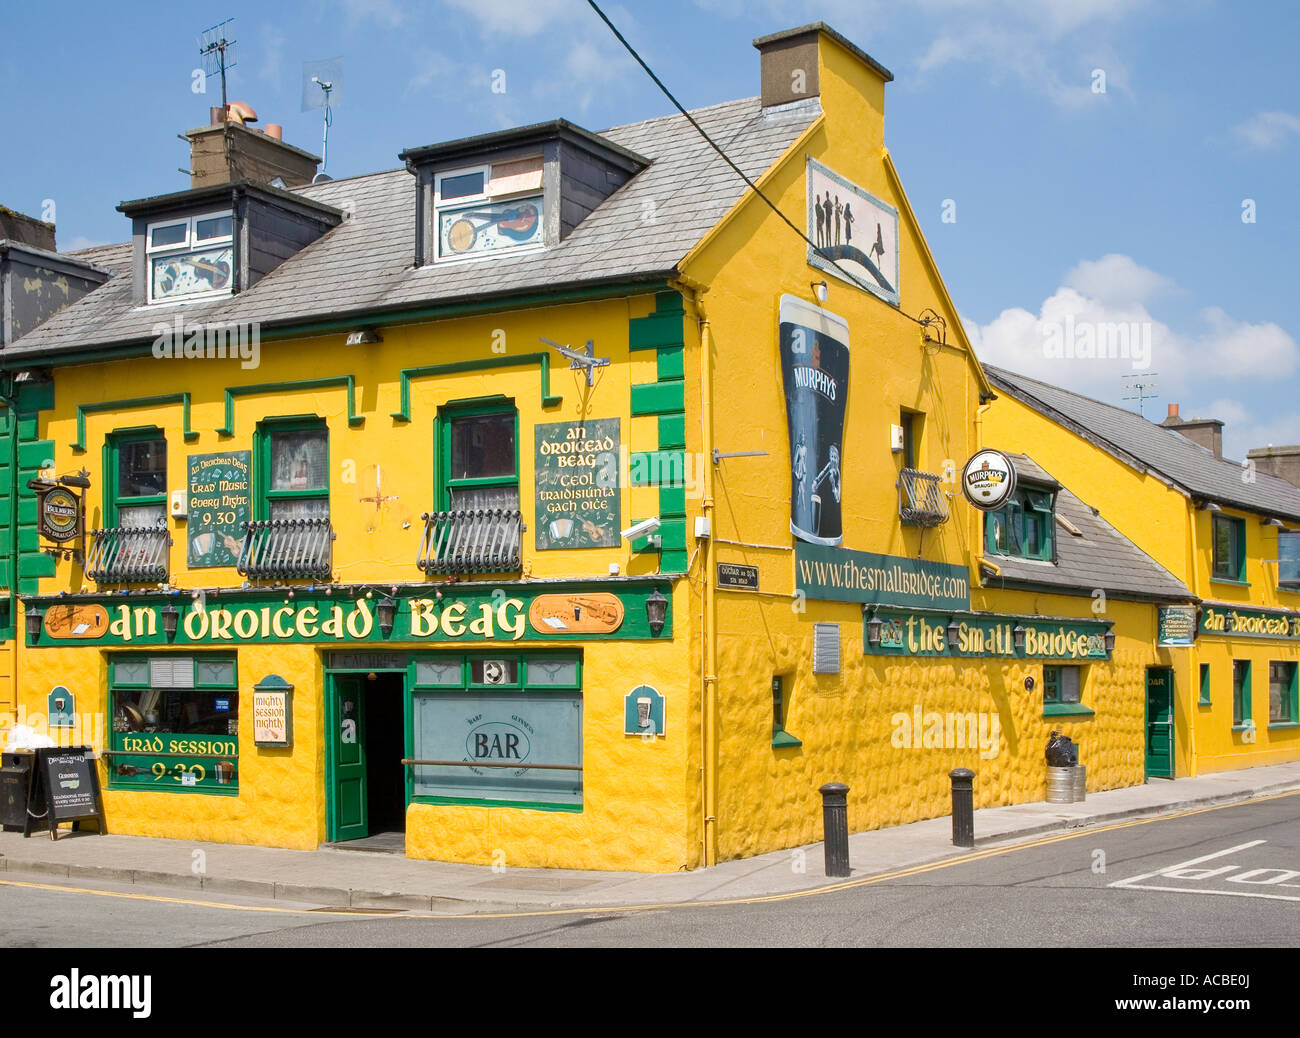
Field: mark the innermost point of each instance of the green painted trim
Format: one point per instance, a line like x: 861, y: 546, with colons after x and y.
x: 673, y: 561
x: 497, y: 403
x: 783, y: 740
x: 1284, y: 724
x: 525, y: 805
x: 672, y: 502
x: 659, y: 329
x: 658, y: 397
x: 672, y: 430
x: 183, y: 399
x: 265, y: 431
x: 1225, y: 580
x: 661, y: 468
x: 111, y: 458
x: 354, y: 419
x: 671, y: 362
x: 1067, y: 710
x: 403, y: 414
x: 117, y: 785
x: 369, y: 318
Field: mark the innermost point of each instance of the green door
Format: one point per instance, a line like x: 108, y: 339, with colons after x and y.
x: 347, y: 808
x: 1160, y: 722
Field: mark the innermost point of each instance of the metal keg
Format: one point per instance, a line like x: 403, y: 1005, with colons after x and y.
x: 1080, y: 783
x: 1060, y: 785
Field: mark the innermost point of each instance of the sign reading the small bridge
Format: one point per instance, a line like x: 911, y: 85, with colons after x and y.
x: 219, y: 506
x: 856, y: 233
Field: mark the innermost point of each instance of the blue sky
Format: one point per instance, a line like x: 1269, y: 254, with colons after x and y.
x: 1105, y: 208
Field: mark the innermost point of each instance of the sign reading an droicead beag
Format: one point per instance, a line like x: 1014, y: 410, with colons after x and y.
x: 576, y: 470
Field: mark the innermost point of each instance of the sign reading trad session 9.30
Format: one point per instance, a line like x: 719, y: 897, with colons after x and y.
x: 220, y: 503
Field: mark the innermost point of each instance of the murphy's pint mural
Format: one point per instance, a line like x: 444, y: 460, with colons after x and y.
x: 814, y: 347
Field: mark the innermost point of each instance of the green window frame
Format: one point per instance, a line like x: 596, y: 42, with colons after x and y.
x: 118, y: 448
x: 1240, y: 693
x: 1228, y: 548
x: 445, y: 686
x: 1024, y: 527
x: 1288, y: 560
x: 1205, y: 685
x: 1282, y: 705
x: 270, y: 500
x: 1063, y: 689
x: 780, y: 709
x: 149, y: 698
x: 493, y: 490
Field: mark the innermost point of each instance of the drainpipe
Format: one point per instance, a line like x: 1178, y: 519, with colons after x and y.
x: 977, y: 537
x: 1192, y: 676
x: 708, y: 602
x: 11, y: 402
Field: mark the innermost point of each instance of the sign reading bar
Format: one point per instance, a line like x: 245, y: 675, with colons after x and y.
x: 910, y: 634
x: 220, y: 503
x: 841, y: 575
x: 576, y: 469
x: 468, y: 614
x: 1249, y: 623
x: 1176, y: 625
x: 731, y: 574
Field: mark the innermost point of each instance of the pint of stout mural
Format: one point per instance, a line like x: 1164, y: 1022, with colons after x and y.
x: 814, y: 347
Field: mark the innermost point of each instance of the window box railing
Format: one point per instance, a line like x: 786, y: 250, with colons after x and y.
x: 126, y: 554
x: 275, y: 548
x: 921, y: 500
x: 472, y: 540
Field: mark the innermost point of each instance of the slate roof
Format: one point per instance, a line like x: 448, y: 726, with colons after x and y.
x: 1146, y: 446
x: 365, y: 265
x: 1100, y: 557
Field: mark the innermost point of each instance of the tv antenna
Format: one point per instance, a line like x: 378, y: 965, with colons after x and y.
x: 578, y: 359
x: 1140, y: 387
x: 214, y: 45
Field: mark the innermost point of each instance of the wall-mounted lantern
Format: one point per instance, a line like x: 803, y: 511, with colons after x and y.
x: 874, y: 626
x: 1018, y: 638
x: 170, y: 616
x: 34, y: 617
x: 954, y: 633
x: 386, y: 611
x: 656, y: 611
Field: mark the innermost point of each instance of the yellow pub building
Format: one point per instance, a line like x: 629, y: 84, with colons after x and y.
x: 557, y: 499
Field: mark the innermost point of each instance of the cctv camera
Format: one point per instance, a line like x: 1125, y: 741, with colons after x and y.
x: 645, y: 526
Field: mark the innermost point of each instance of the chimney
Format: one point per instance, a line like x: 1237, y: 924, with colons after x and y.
x: 1208, y: 432
x: 1283, y: 462
x: 789, y: 65
x: 26, y: 230
x: 228, y: 150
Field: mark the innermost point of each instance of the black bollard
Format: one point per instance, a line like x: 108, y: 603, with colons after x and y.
x: 963, y: 807
x: 835, y: 822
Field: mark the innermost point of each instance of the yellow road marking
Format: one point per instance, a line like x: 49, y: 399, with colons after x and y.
x: 829, y: 888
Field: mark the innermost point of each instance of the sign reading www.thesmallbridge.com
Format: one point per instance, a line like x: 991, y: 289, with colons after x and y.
x: 842, y: 575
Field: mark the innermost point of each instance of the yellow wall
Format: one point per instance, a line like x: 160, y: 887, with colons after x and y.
x: 1166, y: 525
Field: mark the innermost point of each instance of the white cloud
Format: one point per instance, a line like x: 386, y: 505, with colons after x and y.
x: 1116, y: 278
x: 1245, y: 427
x: 1268, y: 130
x: 387, y: 13
x: 1096, y: 328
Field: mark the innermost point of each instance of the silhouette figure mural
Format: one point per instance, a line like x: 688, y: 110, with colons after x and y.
x: 835, y: 205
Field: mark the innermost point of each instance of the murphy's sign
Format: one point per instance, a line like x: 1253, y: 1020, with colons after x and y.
x: 910, y: 634
x: 841, y: 575
x: 1249, y: 623
x: 497, y: 614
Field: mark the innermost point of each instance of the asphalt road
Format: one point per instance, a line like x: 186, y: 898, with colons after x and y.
x: 1227, y: 877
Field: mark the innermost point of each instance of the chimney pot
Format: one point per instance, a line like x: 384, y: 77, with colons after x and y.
x: 275, y: 130
x: 1173, y: 410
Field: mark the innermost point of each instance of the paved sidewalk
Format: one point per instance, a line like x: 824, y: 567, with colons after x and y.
x: 343, y: 878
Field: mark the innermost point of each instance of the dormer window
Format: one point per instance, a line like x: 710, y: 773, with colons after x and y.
x: 485, y: 208
x: 191, y: 257
x: 1023, y: 526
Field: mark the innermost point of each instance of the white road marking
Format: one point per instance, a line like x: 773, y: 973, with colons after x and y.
x: 1222, y: 893
x: 1186, y: 864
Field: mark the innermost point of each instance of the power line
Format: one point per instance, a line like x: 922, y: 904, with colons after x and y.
x: 725, y: 157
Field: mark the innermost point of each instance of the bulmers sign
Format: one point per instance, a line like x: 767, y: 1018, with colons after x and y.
x: 841, y: 575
